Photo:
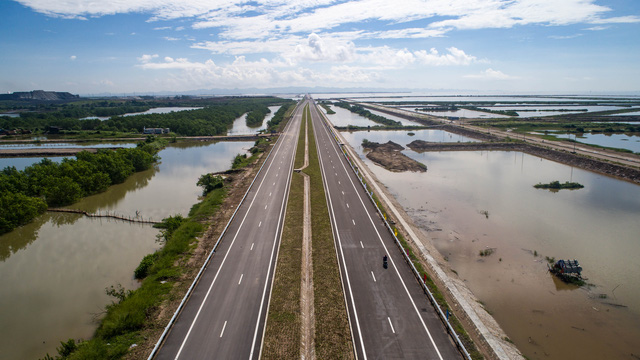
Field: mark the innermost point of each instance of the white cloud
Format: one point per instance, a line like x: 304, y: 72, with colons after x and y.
x: 147, y: 58
x: 598, y: 28
x: 272, y: 17
x: 72, y: 57
x: 169, y: 38
x: 454, y: 57
x: 564, y: 37
x: 244, y: 73
x: 491, y: 74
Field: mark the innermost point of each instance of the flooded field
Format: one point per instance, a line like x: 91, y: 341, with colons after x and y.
x: 469, y: 202
x: 55, y: 269
x: 620, y: 141
x: 344, y: 117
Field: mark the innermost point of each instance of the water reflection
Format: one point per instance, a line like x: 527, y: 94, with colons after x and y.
x: 55, y: 269
x: 596, y: 225
x: 240, y: 127
x: 620, y: 141
x: 344, y: 117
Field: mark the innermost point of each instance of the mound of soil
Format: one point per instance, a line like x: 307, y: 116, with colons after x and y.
x: 390, y: 157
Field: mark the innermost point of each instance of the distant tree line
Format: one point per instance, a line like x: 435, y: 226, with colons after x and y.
x: 215, y: 118
x: 28, y: 193
x: 366, y: 113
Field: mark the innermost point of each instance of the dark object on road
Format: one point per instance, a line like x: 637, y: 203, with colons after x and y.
x: 384, y: 262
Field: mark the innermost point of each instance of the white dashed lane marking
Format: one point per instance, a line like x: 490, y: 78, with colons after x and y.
x: 223, y: 326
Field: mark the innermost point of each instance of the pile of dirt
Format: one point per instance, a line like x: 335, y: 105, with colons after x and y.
x: 390, y: 157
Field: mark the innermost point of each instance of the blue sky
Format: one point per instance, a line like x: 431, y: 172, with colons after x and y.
x: 147, y: 46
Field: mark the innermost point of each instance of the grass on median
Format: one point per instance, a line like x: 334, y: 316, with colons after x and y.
x: 282, y: 333
x: 333, y: 336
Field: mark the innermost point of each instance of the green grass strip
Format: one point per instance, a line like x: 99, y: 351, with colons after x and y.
x: 282, y: 333
x: 333, y: 336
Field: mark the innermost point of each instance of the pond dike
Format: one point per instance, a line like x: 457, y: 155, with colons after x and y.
x: 48, y: 152
x: 622, y: 172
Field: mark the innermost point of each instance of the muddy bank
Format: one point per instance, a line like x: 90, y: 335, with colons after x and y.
x: 390, y: 157
x: 625, y: 173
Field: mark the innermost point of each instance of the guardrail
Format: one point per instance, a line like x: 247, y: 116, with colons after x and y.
x: 416, y: 273
x: 206, y: 262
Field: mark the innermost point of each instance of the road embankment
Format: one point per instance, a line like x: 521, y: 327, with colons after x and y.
x: 606, y: 168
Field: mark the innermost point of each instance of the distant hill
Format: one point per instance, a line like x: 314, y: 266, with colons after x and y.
x: 39, y: 95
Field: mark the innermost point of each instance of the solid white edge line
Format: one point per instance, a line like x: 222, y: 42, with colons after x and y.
x: 374, y: 277
x: 390, y: 324
x: 278, y: 235
x: 227, y: 254
x: 344, y: 264
x: 424, y: 325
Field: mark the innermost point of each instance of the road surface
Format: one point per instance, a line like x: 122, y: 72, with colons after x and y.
x: 389, y: 313
x: 225, y: 315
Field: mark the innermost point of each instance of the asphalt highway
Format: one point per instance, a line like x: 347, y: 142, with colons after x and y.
x: 225, y: 315
x: 390, y: 316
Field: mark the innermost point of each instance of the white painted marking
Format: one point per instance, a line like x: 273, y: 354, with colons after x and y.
x: 266, y: 206
x: 354, y: 222
x: 347, y: 205
x: 339, y: 182
x: 361, y: 245
x: 274, y: 183
x: 343, y: 193
x: 269, y: 194
x: 251, y: 246
x: 391, y: 261
x: 390, y: 324
x: 239, y: 281
x: 336, y: 174
x: 223, y: 326
x: 260, y: 224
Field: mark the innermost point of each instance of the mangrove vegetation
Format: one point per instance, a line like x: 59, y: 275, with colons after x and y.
x: 28, y: 193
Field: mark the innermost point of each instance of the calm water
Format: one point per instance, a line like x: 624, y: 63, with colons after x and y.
x: 533, y: 110
x: 392, y: 117
x: 463, y: 113
x: 240, y: 127
x: 158, y: 110
x: 597, y: 225
x: 46, y: 145
x: 55, y: 269
x: 22, y: 163
x: 402, y: 137
x: 344, y: 117
x: 620, y: 141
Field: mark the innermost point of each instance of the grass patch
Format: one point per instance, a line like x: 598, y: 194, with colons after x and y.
x: 333, y: 336
x: 282, y: 333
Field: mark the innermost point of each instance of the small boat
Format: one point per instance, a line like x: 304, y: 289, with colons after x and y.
x: 567, y: 270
